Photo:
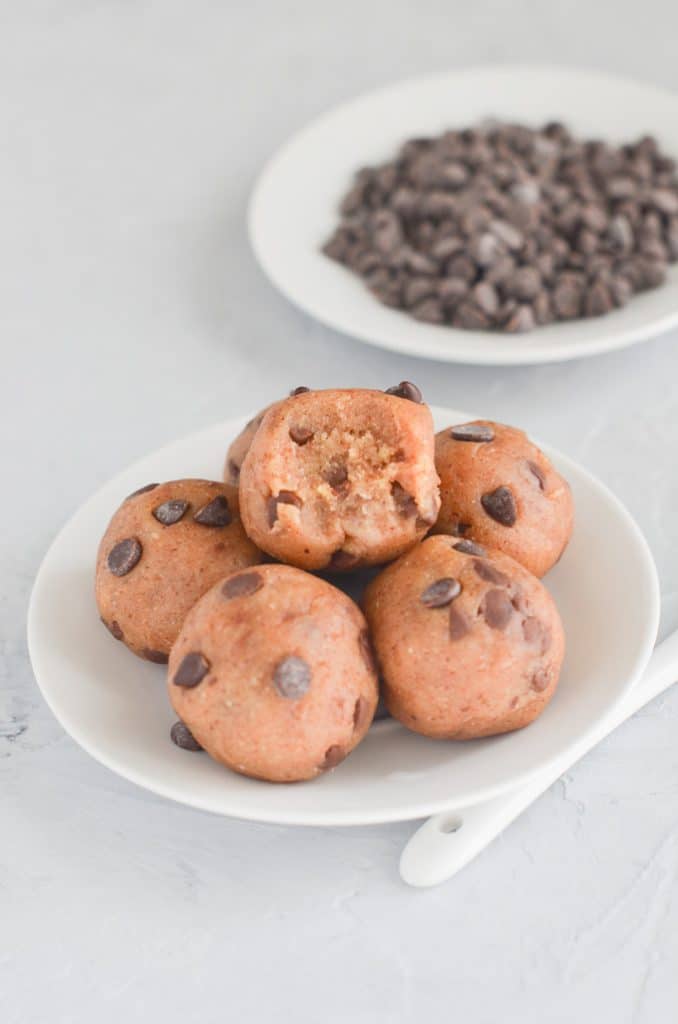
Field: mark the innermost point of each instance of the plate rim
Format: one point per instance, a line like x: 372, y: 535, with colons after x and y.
x: 543, y: 353
x: 354, y: 817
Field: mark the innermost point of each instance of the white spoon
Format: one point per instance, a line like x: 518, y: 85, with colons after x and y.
x: 448, y: 841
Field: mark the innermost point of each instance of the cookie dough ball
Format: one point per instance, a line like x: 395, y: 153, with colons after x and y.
x: 341, y: 479
x: 469, y: 642
x: 501, y: 490
x: 235, y: 456
x: 164, y: 548
x: 273, y: 674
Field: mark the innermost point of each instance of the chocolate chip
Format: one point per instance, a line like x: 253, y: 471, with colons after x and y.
x: 215, y: 513
x: 490, y: 574
x: 368, y: 261
x: 525, y: 192
x: 486, y: 298
x: 342, y: 560
x: 468, y: 316
x: 387, y: 233
x: 458, y: 624
x: 406, y: 390
x: 233, y: 470
x: 500, y: 506
x: 283, y: 498
x: 367, y: 651
x: 621, y: 289
x: 417, y: 289
x: 440, y: 593
x: 404, y: 502
x: 538, y: 473
x: 497, y: 609
x: 336, y: 475
x: 522, y: 319
x: 114, y: 629
x: 501, y: 271
x: 444, y: 249
x: 192, y: 670
x: 484, y: 250
x: 452, y: 289
x: 598, y: 300
x: 292, y: 677
x: 334, y: 755
x: 429, y: 311
x: 620, y: 234
x: 508, y: 234
x: 540, y: 680
x: 243, y: 585
x: 300, y: 435
x: 182, y: 736
x: 476, y: 432
x: 124, y: 556
x: 469, y: 547
x: 361, y: 714
x: 142, y: 490
x: 158, y: 657
x: 463, y: 268
x: 537, y: 634
x: 417, y: 262
x: 524, y: 283
x: 621, y: 187
x: 170, y: 512
x: 567, y: 300
x: 299, y: 391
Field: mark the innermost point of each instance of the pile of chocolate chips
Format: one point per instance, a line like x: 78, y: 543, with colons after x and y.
x: 505, y: 227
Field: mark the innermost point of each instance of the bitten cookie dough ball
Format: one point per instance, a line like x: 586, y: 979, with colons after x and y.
x: 235, y: 456
x: 273, y: 674
x: 469, y: 642
x: 341, y: 479
x: 501, y: 490
x: 164, y: 548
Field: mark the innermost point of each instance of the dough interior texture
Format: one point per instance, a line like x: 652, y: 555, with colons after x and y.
x: 469, y: 645
x: 340, y: 479
x: 290, y: 686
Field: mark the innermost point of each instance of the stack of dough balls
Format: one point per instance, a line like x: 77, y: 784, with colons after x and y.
x: 272, y: 667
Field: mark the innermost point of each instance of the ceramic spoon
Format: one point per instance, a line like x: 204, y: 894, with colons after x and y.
x: 448, y: 841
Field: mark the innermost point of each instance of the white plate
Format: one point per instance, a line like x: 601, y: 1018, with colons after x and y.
x: 294, y: 205
x: 116, y: 707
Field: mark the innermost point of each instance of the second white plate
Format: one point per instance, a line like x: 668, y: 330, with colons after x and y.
x: 294, y: 206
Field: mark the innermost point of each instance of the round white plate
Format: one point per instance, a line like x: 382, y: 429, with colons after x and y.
x: 116, y: 707
x: 293, y: 209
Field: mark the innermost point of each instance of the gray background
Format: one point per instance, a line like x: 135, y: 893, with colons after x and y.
x: 132, y: 312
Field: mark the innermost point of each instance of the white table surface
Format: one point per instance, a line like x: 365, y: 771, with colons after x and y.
x: 131, y: 313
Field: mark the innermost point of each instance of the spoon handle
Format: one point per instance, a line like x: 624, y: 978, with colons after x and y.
x: 448, y: 841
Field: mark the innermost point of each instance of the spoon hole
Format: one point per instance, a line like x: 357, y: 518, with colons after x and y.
x: 450, y: 825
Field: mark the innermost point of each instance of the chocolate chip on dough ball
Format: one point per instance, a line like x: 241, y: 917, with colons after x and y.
x: 164, y: 548
x: 469, y: 642
x: 273, y: 674
x: 501, y: 490
x: 341, y: 479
